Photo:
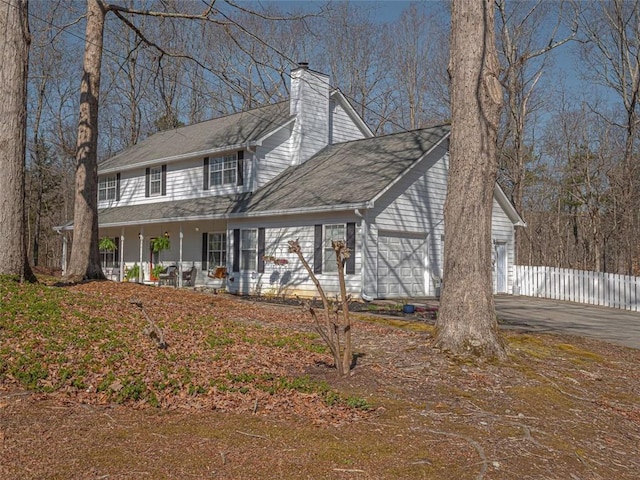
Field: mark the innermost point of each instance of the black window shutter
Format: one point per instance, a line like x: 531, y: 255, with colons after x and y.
x: 116, y: 254
x: 351, y: 245
x: 147, y: 174
x: 117, y: 187
x: 261, y: 250
x: 236, y: 250
x: 164, y: 179
x: 205, y: 251
x: 317, y: 249
x: 205, y: 174
x: 240, y: 168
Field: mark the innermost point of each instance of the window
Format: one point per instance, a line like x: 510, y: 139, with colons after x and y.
x: 332, y: 232
x: 217, y: 251
x: 109, y: 256
x: 248, y: 249
x: 107, y: 188
x: 223, y: 170
x: 155, y: 181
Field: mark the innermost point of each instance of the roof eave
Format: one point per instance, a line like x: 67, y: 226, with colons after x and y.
x: 243, y: 215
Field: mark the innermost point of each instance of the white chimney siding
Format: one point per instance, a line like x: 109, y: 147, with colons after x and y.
x: 310, y: 105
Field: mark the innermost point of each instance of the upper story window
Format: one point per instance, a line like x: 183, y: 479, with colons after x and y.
x: 332, y: 232
x: 156, y: 181
x: 107, y: 188
x: 223, y: 170
x: 226, y: 170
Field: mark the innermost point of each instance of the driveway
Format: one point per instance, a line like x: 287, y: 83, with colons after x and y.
x: 552, y: 316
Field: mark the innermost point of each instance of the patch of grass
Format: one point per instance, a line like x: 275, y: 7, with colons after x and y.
x: 214, y: 340
x: 403, y: 324
x: 581, y: 354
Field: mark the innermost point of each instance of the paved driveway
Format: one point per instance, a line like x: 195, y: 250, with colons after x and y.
x: 542, y: 315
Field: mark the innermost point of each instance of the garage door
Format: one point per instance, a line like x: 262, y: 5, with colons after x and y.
x: 401, y: 266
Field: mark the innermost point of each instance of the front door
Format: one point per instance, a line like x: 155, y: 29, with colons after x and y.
x: 501, y: 267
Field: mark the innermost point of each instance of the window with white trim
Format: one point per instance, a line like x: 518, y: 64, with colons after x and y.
x: 110, y: 258
x: 217, y: 255
x: 248, y: 249
x: 107, y: 188
x: 332, y: 232
x: 155, y: 181
x: 223, y: 170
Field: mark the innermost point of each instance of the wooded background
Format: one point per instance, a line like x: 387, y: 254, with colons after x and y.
x: 570, y: 73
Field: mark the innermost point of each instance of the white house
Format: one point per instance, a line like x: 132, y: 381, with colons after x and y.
x: 234, y: 190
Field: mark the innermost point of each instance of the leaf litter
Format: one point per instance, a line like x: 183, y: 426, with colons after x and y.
x: 245, y: 390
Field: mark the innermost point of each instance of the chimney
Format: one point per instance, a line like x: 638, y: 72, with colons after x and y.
x: 310, y: 104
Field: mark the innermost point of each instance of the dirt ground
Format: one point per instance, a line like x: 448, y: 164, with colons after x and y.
x: 559, y: 408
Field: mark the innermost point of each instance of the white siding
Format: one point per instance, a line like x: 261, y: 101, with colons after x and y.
x: 415, y: 205
x: 310, y: 105
x: 342, y: 128
x: 503, y: 232
x: 292, y: 278
x: 184, y: 181
x: 274, y: 156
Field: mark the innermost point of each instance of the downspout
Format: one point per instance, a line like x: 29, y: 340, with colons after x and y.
x: 365, y: 231
x: 141, y: 270
x: 180, y: 262
x: 121, y: 253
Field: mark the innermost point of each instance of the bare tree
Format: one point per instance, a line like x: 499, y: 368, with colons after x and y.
x: 14, y: 63
x: 611, y: 51
x: 523, y: 49
x: 334, y: 326
x: 467, y: 321
x: 415, y: 57
x: 85, y: 258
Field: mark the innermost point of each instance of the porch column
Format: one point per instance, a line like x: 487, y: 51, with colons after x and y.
x: 121, y: 253
x: 141, y: 271
x: 64, y: 254
x: 180, y: 260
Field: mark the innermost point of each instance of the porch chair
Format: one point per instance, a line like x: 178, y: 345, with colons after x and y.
x: 217, y: 278
x: 169, y: 276
x: 189, y: 277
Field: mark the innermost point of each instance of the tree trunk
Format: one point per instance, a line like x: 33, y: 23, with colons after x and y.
x: 14, y: 62
x: 467, y: 321
x: 85, y: 256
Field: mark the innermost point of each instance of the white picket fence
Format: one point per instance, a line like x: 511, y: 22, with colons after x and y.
x: 593, y: 288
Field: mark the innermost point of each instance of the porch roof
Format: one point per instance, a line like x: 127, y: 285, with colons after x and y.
x: 340, y: 177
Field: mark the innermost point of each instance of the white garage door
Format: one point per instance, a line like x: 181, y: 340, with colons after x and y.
x: 401, y: 266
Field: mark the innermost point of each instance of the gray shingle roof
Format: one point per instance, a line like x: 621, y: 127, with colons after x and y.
x: 341, y: 175
x: 237, y: 129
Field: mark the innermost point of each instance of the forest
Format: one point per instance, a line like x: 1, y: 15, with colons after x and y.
x: 570, y: 74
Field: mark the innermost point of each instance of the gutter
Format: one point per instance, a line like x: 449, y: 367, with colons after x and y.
x: 232, y: 216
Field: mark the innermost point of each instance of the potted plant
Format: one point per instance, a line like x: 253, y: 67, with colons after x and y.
x: 107, y: 244
x: 156, y: 271
x: 158, y: 245
x: 132, y: 274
